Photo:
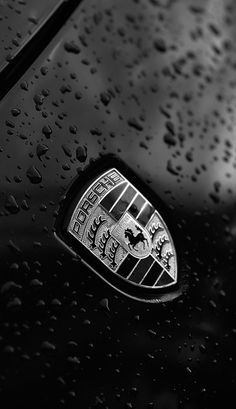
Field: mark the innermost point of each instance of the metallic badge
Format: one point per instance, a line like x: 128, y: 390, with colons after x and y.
x: 128, y: 241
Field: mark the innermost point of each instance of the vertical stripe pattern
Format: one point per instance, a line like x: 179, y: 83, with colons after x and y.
x: 145, y: 214
x: 139, y: 271
x: 123, y: 203
x: 111, y: 197
x: 136, y: 206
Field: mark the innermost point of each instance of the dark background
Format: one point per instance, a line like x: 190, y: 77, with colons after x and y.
x: 152, y: 82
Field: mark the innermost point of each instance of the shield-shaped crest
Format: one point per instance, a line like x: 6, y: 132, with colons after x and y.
x: 124, y: 237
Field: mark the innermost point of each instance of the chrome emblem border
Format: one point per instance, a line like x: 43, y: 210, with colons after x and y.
x: 124, y: 237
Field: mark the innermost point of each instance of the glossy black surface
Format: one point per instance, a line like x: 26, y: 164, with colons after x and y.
x: 153, y: 83
x: 25, y: 31
x: 18, y: 23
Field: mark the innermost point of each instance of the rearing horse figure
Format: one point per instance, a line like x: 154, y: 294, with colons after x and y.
x: 134, y: 240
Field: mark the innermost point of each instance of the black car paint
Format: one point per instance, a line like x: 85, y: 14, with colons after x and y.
x: 26, y: 29
x: 67, y: 338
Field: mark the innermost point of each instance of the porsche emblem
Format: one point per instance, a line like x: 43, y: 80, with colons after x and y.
x: 125, y: 234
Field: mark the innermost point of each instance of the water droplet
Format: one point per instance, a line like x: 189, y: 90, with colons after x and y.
x: 81, y: 153
x: 48, y: 346
x: 135, y: 124
x: 47, y: 130
x: 105, y: 97
x: 34, y: 175
x: 71, y: 47
x: 41, y: 150
x: 11, y: 204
